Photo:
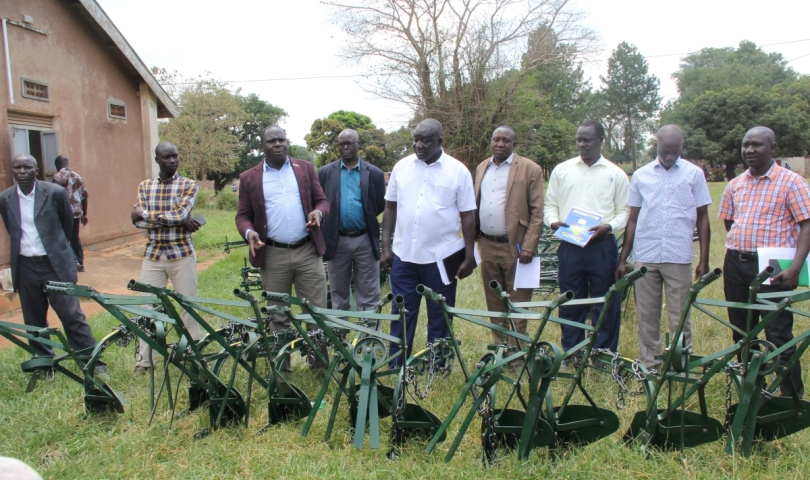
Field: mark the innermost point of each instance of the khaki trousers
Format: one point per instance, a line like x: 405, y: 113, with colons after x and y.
x: 676, y: 280
x: 183, y: 274
x: 301, y: 267
x: 497, y: 263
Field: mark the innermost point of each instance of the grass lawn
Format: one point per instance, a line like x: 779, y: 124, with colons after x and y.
x: 49, y: 429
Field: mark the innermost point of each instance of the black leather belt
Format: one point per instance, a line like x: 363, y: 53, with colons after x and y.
x: 299, y: 243
x: 745, y: 256
x: 36, y: 258
x: 354, y: 234
x: 503, y: 239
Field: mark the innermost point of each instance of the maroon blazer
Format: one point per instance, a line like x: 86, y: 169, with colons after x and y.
x: 251, y: 214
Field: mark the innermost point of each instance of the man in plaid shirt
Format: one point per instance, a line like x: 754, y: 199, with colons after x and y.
x: 164, y: 207
x: 77, y: 194
x: 766, y: 206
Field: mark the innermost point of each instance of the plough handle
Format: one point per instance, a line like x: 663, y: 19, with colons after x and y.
x: 427, y: 292
x: 709, y: 278
x: 566, y: 296
x: 762, y: 276
x: 399, y: 300
x: 243, y: 295
x: 384, y: 301
x: 631, y: 277
x: 494, y: 285
x: 276, y: 297
x: 137, y: 286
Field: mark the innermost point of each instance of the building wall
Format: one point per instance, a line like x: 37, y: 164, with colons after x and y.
x: 83, y: 73
x: 797, y: 164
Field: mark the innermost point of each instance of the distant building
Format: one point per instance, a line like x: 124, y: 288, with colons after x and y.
x: 72, y: 85
x: 800, y: 165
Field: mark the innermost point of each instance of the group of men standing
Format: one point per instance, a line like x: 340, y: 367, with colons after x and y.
x: 293, y: 217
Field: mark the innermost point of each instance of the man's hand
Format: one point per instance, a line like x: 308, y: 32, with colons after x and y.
x: 525, y: 256
x: 786, y: 279
x: 466, y: 268
x: 386, y: 260
x: 556, y: 225
x: 621, y: 270
x: 599, y: 231
x: 313, y: 220
x: 701, y: 269
x: 254, y: 242
x: 192, y: 225
x: 137, y: 214
x: 84, y: 220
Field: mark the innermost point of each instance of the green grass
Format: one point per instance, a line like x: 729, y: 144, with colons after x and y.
x: 49, y: 429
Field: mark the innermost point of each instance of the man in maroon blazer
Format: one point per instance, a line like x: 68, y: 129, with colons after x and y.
x: 281, y: 207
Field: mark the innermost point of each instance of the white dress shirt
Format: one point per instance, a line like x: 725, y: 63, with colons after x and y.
x: 429, y: 199
x: 30, y: 243
x: 286, y: 220
x: 602, y: 189
x: 493, y: 198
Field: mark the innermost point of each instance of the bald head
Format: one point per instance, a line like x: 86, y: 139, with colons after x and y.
x: 24, y: 157
x: 765, y: 132
x: 429, y: 126
x: 427, y: 140
x: 24, y: 171
x: 669, y: 145
x: 758, y: 147
x: 60, y: 162
x: 348, y: 142
x: 503, y: 143
x: 163, y: 146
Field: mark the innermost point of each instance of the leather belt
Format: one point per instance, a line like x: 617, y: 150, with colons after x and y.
x: 503, y: 239
x: 36, y: 258
x: 291, y: 246
x: 354, y: 234
x: 745, y: 256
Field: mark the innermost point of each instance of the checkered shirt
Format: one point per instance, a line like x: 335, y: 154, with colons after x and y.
x: 168, y: 205
x: 766, y: 210
x: 74, y: 184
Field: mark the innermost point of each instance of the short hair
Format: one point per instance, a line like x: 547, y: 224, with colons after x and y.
x: 508, y: 129
x: 597, y: 127
x: 265, y: 129
x: 58, y: 161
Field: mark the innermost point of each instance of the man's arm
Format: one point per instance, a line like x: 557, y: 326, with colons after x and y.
x: 788, y: 279
x: 379, y: 187
x: 468, y: 231
x: 629, y: 238
x: 244, y: 216
x: 704, y: 240
x: 180, y: 214
x: 319, y: 201
x: 728, y: 224
x: 65, y: 211
x: 389, y: 222
x: 551, y: 211
x: 84, y: 219
x: 535, y: 227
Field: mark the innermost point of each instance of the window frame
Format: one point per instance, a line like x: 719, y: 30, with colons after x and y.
x: 36, y: 82
x: 117, y: 103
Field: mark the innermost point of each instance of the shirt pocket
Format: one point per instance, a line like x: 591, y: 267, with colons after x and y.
x: 443, y: 197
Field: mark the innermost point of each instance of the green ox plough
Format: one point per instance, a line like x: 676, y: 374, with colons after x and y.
x: 538, y: 422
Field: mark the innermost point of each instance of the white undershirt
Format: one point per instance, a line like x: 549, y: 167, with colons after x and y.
x: 30, y: 243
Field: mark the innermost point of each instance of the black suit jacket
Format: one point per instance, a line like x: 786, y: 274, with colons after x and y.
x: 53, y: 218
x: 372, y: 190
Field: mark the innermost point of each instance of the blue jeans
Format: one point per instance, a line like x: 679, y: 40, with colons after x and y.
x: 405, y: 276
x: 589, y: 272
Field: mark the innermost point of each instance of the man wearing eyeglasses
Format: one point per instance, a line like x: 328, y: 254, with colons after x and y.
x: 356, y: 192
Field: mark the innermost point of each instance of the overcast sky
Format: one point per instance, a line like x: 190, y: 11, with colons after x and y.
x: 250, y: 42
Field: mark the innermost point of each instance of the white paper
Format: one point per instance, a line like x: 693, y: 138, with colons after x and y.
x: 527, y: 275
x: 449, y: 250
x: 765, y: 254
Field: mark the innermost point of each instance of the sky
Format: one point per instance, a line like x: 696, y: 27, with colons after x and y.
x: 275, y: 48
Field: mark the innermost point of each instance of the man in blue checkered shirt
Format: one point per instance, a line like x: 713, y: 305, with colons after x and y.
x: 164, y: 207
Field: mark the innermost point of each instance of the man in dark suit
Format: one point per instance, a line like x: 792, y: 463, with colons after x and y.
x: 356, y: 190
x: 39, y: 221
x: 281, y: 207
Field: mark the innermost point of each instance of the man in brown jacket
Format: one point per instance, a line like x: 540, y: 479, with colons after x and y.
x: 509, y: 218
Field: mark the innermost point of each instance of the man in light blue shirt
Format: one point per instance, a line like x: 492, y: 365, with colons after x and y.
x: 668, y: 197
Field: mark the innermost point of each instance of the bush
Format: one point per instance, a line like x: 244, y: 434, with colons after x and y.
x: 205, y: 198
x: 226, y: 201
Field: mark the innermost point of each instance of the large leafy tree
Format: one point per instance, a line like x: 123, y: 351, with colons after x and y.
x: 323, y: 137
x: 630, y: 96
x: 725, y: 92
x: 258, y: 114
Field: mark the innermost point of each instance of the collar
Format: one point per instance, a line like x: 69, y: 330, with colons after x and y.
x: 601, y: 161
x: 170, y: 180
x: 770, y: 174
x: 357, y: 166
x: 265, y: 167
x: 508, y: 160
x: 30, y: 195
x: 658, y: 163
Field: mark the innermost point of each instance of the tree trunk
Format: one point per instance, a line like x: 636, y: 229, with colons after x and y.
x: 730, y: 170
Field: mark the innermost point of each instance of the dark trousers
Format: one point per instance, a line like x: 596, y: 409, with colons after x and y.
x: 32, y: 276
x: 405, y: 276
x: 589, y: 271
x: 76, y: 242
x: 737, y: 278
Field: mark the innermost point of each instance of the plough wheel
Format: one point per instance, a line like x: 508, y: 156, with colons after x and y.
x: 781, y: 427
x: 287, y: 403
x: 102, y: 400
x: 417, y: 422
x: 606, y: 424
x: 668, y: 433
x: 507, y: 432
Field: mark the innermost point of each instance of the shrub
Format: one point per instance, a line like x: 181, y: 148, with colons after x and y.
x: 226, y: 201
x: 205, y: 198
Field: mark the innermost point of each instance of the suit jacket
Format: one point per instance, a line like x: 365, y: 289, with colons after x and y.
x: 372, y: 191
x: 53, y: 218
x: 524, y: 202
x: 251, y: 214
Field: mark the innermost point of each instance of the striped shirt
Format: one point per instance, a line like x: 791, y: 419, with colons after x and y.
x: 766, y: 210
x: 167, y: 206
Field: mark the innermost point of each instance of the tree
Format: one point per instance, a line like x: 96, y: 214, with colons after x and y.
x: 631, y: 99
x: 441, y: 57
x: 206, y: 130
x: 725, y: 92
x: 323, y: 137
x: 298, y: 151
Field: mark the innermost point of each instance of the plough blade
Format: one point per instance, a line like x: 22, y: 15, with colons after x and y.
x: 288, y: 403
x: 785, y: 418
x: 584, y: 424
x: 667, y: 435
x: 102, y: 399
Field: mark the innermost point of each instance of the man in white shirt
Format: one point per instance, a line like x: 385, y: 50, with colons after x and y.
x: 39, y: 221
x: 430, y: 195
x: 668, y: 198
x: 589, y: 182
